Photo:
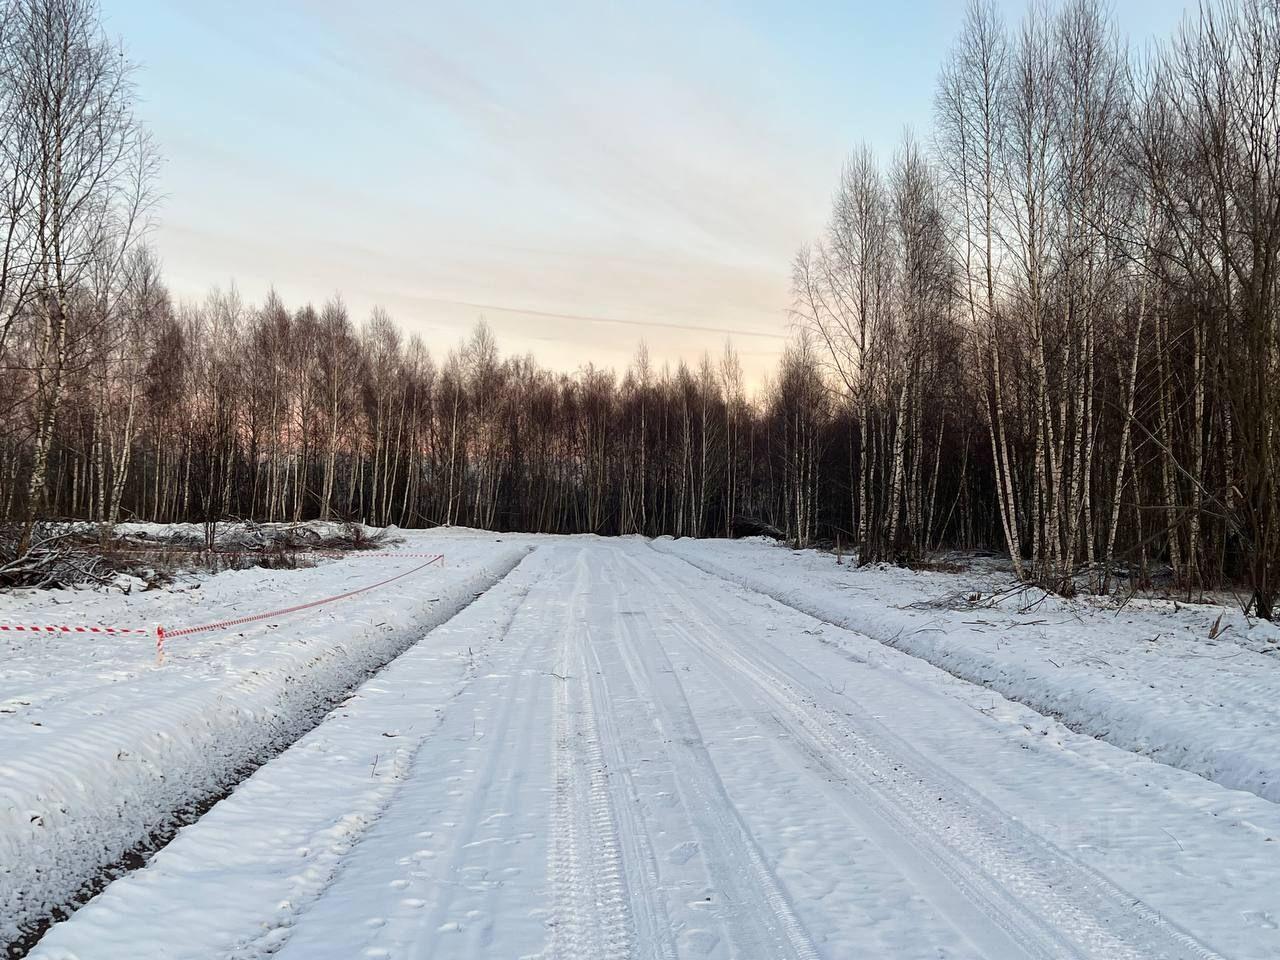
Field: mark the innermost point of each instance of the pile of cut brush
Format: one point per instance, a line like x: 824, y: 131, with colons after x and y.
x: 244, y: 536
x: 51, y: 559
x: 84, y: 553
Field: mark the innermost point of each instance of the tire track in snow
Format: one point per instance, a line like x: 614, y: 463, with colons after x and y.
x: 1112, y: 719
x: 764, y: 924
x: 653, y: 932
x: 1050, y: 905
x: 592, y: 920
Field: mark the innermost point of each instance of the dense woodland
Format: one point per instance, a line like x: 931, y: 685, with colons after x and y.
x: 1047, y: 326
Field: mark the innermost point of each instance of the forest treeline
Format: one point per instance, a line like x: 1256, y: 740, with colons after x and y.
x: 1047, y: 325
x: 1072, y: 280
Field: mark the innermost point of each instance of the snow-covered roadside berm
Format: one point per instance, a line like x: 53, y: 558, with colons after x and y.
x: 1145, y: 676
x: 242, y: 876
x: 100, y: 749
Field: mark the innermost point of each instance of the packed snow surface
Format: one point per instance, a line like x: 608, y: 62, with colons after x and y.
x: 616, y: 753
x: 1196, y: 686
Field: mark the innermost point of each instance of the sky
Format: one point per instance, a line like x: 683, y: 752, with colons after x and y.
x: 582, y: 176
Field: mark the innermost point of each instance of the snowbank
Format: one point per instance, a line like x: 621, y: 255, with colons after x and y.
x: 241, y: 876
x: 1152, y: 677
x: 99, y: 749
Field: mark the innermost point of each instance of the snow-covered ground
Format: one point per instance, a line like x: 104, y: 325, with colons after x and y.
x: 1192, y: 685
x: 100, y: 748
x: 614, y: 753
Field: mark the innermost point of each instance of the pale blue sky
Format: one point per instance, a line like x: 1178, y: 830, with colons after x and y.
x: 651, y: 165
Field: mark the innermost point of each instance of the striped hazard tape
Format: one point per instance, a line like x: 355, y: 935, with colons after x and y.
x: 367, y: 555
x: 162, y: 634
x: 65, y: 628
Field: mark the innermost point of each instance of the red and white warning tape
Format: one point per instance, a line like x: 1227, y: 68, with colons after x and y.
x: 162, y: 634
x: 66, y: 628
x: 365, y: 555
x: 224, y: 624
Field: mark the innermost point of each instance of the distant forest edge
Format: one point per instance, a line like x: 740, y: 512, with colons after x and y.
x: 1048, y: 327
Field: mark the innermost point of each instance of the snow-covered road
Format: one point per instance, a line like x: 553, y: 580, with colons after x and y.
x: 615, y: 754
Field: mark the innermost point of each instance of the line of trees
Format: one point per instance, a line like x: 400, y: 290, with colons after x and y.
x: 75, y: 175
x: 1049, y: 326
x: 118, y: 403
x: 1077, y: 285
x: 222, y: 409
